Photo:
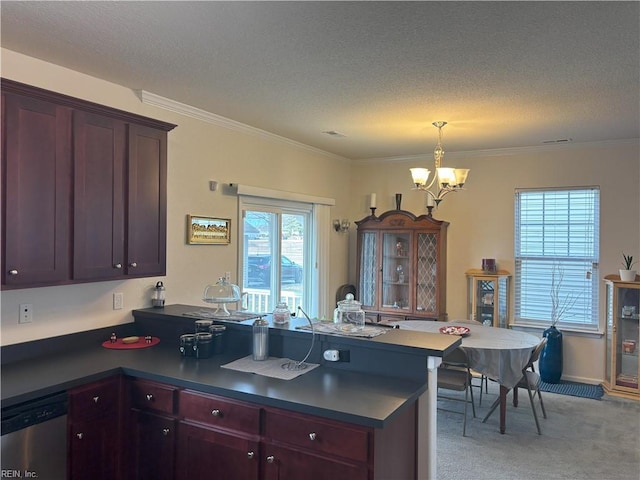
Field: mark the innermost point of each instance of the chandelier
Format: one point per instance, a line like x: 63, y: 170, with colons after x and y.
x: 446, y: 180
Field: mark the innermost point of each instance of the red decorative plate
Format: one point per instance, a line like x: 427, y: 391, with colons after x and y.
x: 453, y: 330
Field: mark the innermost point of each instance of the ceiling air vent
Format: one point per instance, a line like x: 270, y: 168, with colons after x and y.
x: 562, y: 140
x: 333, y: 133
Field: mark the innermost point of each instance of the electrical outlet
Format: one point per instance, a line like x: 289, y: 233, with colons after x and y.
x: 118, y: 301
x: 227, y: 276
x: 26, y: 313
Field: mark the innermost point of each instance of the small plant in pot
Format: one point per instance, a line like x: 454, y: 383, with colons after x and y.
x: 628, y: 274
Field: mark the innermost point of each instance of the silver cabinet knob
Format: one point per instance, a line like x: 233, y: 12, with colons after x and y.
x: 79, y: 435
x: 216, y: 413
x: 95, y: 399
x: 270, y: 459
x: 250, y: 455
x: 117, y: 265
x: 149, y: 397
x: 13, y: 272
x: 312, y: 436
x: 165, y: 431
x: 133, y: 264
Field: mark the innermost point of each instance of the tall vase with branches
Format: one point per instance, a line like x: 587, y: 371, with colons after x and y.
x: 550, y: 361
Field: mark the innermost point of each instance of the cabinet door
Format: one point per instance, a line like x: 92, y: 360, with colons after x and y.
x: 93, y: 449
x: 626, y: 336
x: 36, y: 207
x: 147, y: 205
x: 368, y: 269
x: 206, y: 454
x: 153, y: 449
x: 281, y: 463
x: 99, y: 152
x: 429, y: 273
x: 396, y: 272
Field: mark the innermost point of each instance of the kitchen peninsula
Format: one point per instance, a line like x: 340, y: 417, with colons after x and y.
x: 381, y: 396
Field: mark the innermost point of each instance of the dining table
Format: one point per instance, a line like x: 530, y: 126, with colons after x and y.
x: 498, y: 353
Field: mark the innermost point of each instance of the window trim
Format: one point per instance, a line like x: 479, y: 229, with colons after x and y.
x: 594, y: 326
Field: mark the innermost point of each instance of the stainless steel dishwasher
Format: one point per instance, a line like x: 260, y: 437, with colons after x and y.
x: 34, y: 439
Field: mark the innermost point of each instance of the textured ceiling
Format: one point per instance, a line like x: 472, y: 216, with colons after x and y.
x: 503, y: 74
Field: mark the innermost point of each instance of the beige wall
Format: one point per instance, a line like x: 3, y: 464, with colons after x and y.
x: 482, y: 217
x: 198, y: 152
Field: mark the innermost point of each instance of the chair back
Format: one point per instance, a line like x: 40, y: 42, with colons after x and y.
x: 458, y: 358
x: 535, y: 354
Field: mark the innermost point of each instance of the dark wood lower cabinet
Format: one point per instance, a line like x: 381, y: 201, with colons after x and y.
x: 153, y: 446
x: 93, y: 448
x: 138, y: 429
x: 282, y: 463
x: 204, y: 453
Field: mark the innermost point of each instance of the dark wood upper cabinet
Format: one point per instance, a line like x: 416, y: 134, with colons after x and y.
x: 147, y: 202
x: 99, y: 145
x: 36, y: 204
x: 84, y: 190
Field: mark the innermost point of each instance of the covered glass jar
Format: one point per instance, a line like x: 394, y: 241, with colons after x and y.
x: 349, y: 314
x: 222, y: 293
x: 281, y: 314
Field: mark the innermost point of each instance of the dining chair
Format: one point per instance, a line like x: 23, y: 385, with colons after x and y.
x: 531, y: 381
x: 484, y: 381
x: 454, y: 374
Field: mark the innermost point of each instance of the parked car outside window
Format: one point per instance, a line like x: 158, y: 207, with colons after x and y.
x: 260, y: 270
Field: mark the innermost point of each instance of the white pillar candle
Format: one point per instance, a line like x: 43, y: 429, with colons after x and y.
x: 429, y: 201
x: 372, y: 203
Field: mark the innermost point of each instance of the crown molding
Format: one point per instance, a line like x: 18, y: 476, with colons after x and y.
x: 497, y: 152
x: 152, y: 99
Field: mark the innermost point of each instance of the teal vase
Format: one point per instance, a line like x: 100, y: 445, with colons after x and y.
x: 550, y: 361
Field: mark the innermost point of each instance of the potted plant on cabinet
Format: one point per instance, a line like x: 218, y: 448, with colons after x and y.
x: 627, y: 274
x: 550, y: 361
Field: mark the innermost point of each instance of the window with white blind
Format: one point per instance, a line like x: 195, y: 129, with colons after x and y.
x: 556, y: 250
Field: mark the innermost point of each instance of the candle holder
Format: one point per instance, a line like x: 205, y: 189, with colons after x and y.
x: 373, y: 211
x: 429, y: 211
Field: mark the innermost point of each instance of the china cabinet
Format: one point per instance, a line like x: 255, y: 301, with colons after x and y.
x: 488, y: 297
x: 402, y: 266
x: 622, y: 367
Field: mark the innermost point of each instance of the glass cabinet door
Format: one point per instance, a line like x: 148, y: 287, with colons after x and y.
x: 485, y: 293
x: 626, y: 336
x: 396, y: 271
x: 427, y: 273
x: 368, y: 280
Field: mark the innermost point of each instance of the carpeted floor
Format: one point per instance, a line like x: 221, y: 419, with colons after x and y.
x: 581, y: 440
x: 583, y: 390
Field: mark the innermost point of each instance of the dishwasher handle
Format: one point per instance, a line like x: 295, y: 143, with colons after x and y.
x: 34, y: 412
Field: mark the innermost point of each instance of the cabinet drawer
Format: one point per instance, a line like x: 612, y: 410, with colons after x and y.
x: 219, y: 412
x: 152, y: 396
x: 318, y: 434
x: 95, y: 400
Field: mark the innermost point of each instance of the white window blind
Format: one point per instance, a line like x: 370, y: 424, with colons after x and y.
x: 557, y: 234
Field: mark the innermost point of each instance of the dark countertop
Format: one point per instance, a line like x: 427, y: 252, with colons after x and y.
x: 362, y: 398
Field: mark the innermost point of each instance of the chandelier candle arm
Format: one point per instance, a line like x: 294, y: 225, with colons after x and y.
x: 449, y: 179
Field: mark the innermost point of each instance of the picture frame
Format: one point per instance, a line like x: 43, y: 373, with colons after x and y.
x: 205, y: 230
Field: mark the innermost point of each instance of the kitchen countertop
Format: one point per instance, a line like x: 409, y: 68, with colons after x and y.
x: 362, y: 398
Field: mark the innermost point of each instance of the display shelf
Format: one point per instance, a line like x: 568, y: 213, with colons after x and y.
x: 622, y: 367
x: 488, y: 297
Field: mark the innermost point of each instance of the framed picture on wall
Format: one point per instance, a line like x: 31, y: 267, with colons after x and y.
x: 208, y: 230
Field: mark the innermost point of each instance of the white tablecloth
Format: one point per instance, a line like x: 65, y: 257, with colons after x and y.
x: 498, y: 353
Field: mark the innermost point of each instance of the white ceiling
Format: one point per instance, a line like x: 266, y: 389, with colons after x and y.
x: 503, y: 74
